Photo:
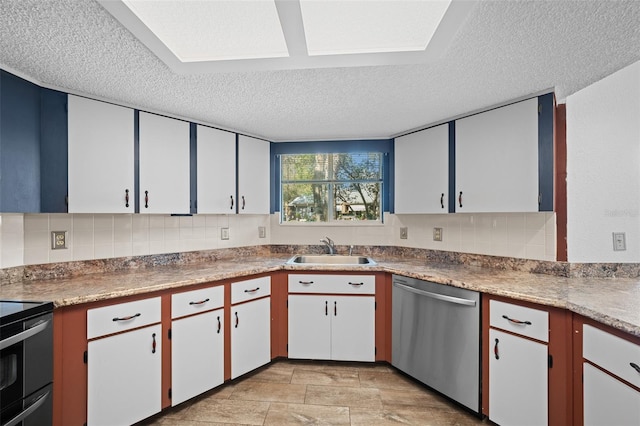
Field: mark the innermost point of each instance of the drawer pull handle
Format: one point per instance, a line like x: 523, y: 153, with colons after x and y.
x: 305, y: 282
x: 355, y: 284
x: 253, y: 290
x: 635, y: 366
x: 153, y: 345
x: 495, y: 349
x: 237, y: 320
x: 202, y: 302
x: 129, y: 318
x: 515, y: 321
x: 219, y: 325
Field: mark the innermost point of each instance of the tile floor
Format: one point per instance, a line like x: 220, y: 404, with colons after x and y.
x: 318, y: 393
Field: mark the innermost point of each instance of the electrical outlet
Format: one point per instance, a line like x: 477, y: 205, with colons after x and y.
x: 224, y: 233
x: 437, y: 234
x: 262, y: 232
x: 58, y: 240
x: 404, y: 233
x: 619, y: 241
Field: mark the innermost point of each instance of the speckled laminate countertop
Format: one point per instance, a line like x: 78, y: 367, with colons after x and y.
x: 611, y: 301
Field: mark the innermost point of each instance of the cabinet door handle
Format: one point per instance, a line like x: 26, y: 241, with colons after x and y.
x: 495, y: 349
x: 129, y: 318
x: 635, y: 366
x: 237, y: 320
x: 219, y: 324
x: 355, y: 284
x: 126, y: 198
x: 305, y: 282
x: 515, y: 321
x: 460, y: 199
x: 231, y: 208
x: 335, y: 308
x: 202, y: 302
x: 442, y: 200
x: 243, y: 202
x: 146, y: 199
x: 253, y: 290
x: 153, y: 344
x: 326, y: 308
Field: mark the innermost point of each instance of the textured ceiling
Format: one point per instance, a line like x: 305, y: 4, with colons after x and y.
x: 505, y: 50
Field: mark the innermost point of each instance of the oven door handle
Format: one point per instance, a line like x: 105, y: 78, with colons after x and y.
x: 10, y: 341
x: 28, y: 411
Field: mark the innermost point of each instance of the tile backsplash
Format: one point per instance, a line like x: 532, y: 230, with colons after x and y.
x: 26, y: 238
x: 101, y: 236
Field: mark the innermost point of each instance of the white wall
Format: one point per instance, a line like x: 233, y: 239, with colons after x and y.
x: 603, y: 168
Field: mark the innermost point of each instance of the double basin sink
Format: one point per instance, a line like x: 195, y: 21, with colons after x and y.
x: 330, y: 259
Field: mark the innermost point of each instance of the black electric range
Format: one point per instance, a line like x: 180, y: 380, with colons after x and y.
x: 26, y: 363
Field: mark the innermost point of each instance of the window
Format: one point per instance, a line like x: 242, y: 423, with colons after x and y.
x: 323, y: 187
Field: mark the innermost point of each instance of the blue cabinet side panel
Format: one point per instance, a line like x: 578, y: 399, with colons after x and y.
x: 20, y: 138
x: 452, y: 167
x: 545, y: 151
x: 193, y: 166
x: 53, y: 151
x: 275, y: 177
x: 136, y: 160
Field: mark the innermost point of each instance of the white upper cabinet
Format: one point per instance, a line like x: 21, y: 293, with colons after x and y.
x: 496, y: 160
x: 216, y: 171
x: 422, y: 171
x: 101, y: 157
x: 164, y: 165
x: 254, y: 180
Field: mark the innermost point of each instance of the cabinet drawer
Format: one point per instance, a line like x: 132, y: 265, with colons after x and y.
x: 242, y: 291
x: 611, y: 353
x: 518, y: 319
x: 338, y: 284
x: 194, y: 301
x: 123, y: 316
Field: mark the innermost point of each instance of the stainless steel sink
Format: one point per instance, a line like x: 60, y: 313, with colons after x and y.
x: 330, y: 259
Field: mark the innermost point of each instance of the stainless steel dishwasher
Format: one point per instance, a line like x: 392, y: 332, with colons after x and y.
x: 436, y: 337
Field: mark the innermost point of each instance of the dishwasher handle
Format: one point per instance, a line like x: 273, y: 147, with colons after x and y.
x: 443, y: 297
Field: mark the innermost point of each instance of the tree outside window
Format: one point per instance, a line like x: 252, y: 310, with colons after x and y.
x: 328, y: 187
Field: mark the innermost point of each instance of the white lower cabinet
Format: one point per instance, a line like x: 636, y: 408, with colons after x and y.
x: 339, y: 325
x: 332, y: 327
x: 124, y: 375
x: 250, y: 336
x: 608, y: 401
x: 518, y: 380
x: 608, y: 359
x: 124, y: 362
x: 197, y: 355
x: 250, y: 325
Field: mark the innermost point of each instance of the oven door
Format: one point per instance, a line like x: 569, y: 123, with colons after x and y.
x: 26, y: 361
x: 35, y: 410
